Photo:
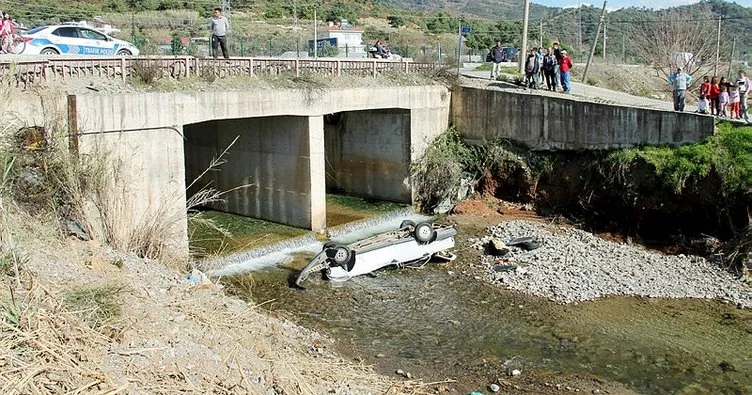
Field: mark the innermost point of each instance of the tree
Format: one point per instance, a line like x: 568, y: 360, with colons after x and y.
x: 328, y: 50
x: 676, y: 38
x: 396, y: 21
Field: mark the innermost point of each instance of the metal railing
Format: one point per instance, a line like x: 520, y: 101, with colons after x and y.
x: 39, y: 71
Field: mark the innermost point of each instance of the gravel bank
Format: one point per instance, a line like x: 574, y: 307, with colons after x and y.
x: 573, y: 265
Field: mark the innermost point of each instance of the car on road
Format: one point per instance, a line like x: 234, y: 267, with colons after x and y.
x: 409, y: 245
x: 73, y: 40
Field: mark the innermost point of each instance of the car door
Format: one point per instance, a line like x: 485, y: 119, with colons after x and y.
x: 96, y: 43
x: 67, y: 40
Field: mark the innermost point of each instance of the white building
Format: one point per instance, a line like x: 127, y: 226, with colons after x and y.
x: 349, y: 40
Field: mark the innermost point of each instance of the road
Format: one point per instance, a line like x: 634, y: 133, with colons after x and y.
x: 579, y: 91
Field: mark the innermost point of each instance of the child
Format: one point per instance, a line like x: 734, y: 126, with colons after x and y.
x: 723, y: 100
x: 702, y: 105
x: 713, y: 92
x: 734, y: 100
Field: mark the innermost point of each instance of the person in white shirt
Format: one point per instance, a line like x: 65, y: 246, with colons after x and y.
x: 702, y: 105
x: 743, y: 83
x: 220, y: 26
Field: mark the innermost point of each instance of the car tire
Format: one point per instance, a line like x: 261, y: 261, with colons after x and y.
x: 328, y: 245
x: 49, y: 51
x: 424, y: 233
x: 407, y: 223
x: 341, y: 255
x: 124, y: 52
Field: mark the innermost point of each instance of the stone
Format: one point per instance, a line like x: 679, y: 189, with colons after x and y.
x: 494, y: 388
x: 516, y: 372
x: 498, y: 247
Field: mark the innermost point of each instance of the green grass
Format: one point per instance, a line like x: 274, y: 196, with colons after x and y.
x: 727, y: 153
x: 241, y: 233
x: 96, y: 304
x: 484, y: 67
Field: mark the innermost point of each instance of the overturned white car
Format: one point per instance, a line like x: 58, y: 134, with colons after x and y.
x: 411, y: 244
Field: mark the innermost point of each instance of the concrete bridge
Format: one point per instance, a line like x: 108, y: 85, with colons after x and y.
x: 293, y: 145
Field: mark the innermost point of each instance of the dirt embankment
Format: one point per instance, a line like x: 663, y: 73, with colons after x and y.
x: 82, y: 317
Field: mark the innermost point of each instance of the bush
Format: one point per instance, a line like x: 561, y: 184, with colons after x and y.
x: 146, y: 71
x: 592, y: 81
x: 438, y: 173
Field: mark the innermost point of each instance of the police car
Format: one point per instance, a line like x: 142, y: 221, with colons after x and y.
x: 73, y: 40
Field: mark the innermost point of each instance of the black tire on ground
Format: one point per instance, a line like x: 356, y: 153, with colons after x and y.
x: 124, y: 52
x: 49, y: 51
x: 406, y: 223
x: 342, y: 255
x: 424, y: 233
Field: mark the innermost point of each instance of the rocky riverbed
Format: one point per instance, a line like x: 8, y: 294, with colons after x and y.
x: 570, y: 265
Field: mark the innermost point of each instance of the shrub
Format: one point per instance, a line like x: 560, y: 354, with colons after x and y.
x: 146, y: 71
x: 437, y: 174
x: 592, y: 81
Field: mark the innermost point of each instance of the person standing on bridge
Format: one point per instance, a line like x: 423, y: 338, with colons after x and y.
x: 497, y: 56
x: 744, y: 83
x: 220, y: 26
x: 680, y: 81
x: 549, y: 69
x: 6, y: 33
x: 565, y: 68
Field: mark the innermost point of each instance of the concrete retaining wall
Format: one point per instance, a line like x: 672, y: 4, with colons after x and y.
x: 544, y: 122
x: 368, y: 154
x: 271, y: 156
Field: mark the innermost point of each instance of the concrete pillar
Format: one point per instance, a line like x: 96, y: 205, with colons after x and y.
x: 317, y: 172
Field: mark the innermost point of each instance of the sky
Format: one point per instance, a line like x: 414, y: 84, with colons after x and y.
x: 615, y: 4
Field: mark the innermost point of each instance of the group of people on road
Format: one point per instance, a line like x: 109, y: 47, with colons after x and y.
x: 6, y: 33
x: 718, y: 96
x: 554, y: 67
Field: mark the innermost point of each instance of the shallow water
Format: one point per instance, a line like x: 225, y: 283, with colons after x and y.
x: 437, y: 326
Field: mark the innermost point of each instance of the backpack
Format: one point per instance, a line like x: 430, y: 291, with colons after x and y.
x: 489, y: 57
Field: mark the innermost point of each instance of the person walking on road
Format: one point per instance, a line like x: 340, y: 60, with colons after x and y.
x: 497, y: 55
x: 220, y: 26
x: 680, y: 82
x: 565, y: 68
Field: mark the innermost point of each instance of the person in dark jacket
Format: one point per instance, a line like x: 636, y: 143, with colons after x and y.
x: 497, y: 56
x: 532, y: 67
x: 558, y: 56
x: 549, y: 69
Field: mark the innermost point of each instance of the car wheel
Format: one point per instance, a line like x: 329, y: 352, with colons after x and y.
x: 124, y: 52
x: 49, y: 51
x: 407, y: 223
x: 342, y: 255
x: 424, y: 233
x: 328, y: 245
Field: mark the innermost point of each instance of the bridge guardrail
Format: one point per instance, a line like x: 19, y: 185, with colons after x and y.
x: 29, y: 72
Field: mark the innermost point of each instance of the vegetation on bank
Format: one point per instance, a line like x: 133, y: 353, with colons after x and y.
x: 727, y: 153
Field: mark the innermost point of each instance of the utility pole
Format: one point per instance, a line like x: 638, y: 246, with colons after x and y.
x: 579, y: 29
x: 523, y: 48
x: 623, y: 47
x: 315, y: 34
x: 540, y: 34
x: 731, y: 59
x: 595, y: 42
x: 459, y: 45
x: 605, y: 25
x: 295, y: 27
x: 718, y: 47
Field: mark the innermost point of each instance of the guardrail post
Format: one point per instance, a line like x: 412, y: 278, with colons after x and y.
x: 187, y: 67
x: 339, y: 68
x: 122, y: 67
x: 250, y: 71
x: 374, y: 69
x: 407, y: 67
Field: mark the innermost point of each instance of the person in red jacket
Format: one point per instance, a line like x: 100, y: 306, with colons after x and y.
x: 714, y: 91
x: 565, y: 67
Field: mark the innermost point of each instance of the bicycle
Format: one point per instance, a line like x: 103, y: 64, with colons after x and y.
x: 15, y: 44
